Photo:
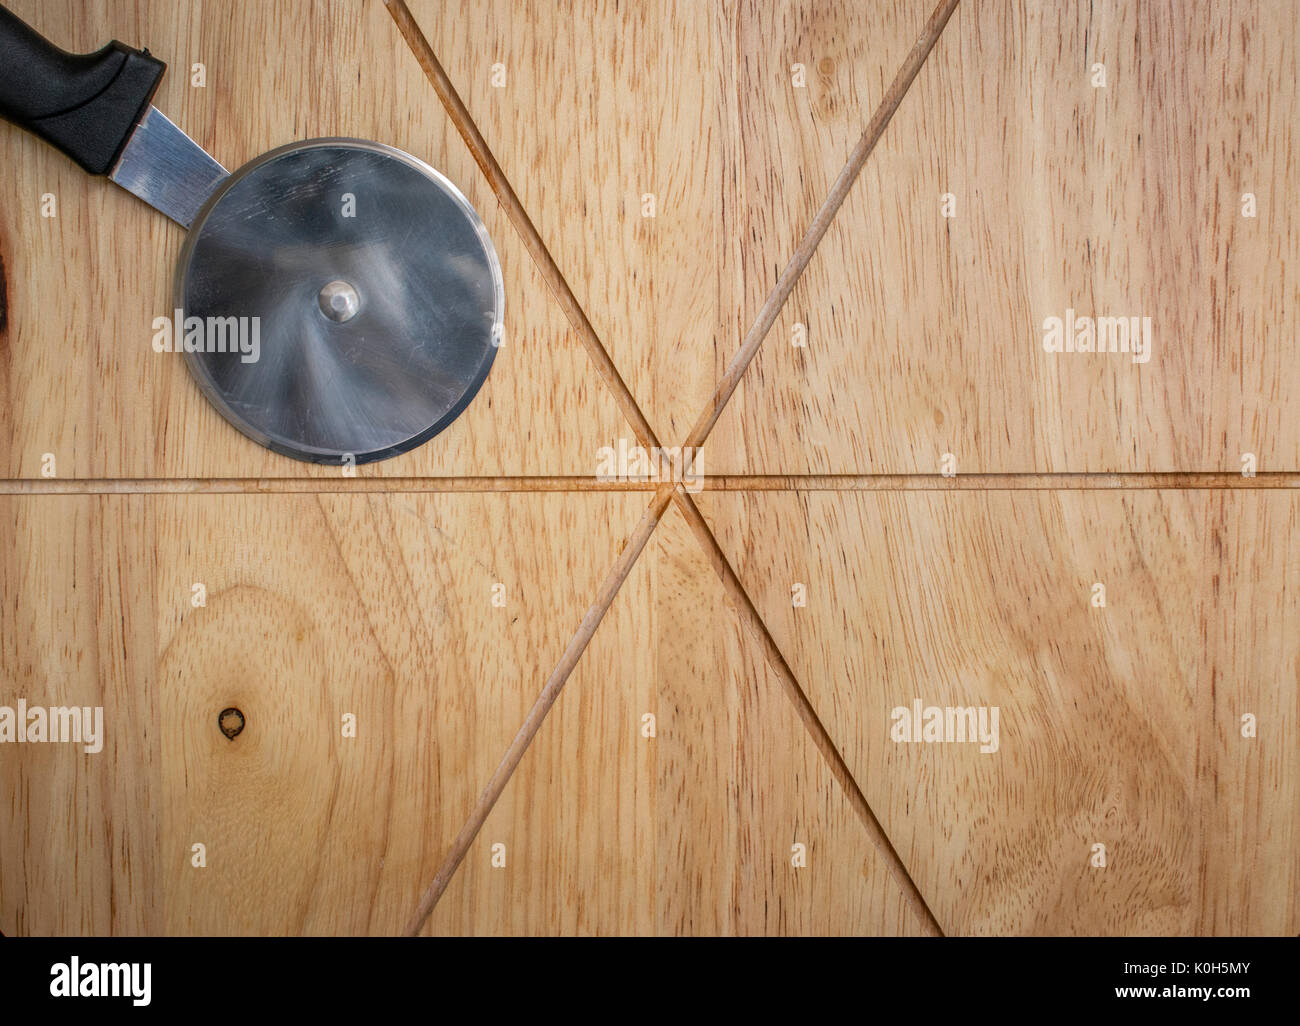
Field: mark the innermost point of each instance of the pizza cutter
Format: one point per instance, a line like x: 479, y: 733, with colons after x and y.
x: 338, y: 300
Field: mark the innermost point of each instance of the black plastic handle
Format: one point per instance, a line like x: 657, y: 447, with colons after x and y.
x: 85, y: 104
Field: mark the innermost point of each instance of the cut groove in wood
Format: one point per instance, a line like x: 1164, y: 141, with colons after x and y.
x: 537, y: 714
x: 726, y: 387
x: 314, y: 486
x: 996, y: 482
x: 816, y: 729
x: 532, y: 239
x: 721, y: 483
x: 500, y: 184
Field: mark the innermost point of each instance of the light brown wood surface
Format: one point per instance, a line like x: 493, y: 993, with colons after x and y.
x: 373, y: 595
x: 925, y: 333
x: 1118, y: 725
x: 379, y: 606
x: 690, y: 102
x: 691, y: 831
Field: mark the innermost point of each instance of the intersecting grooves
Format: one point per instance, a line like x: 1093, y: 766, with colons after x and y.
x: 523, y: 224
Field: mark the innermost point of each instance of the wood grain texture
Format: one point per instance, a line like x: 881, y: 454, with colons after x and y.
x: 79, y: 833
x: 540, y: 709
x: 925, y: 333
x: 78, y: 375
x: 608, y: 832
x: 777, y: 298
x: 1118, y: 725
x: 375, y: 605
x: 690, y: 102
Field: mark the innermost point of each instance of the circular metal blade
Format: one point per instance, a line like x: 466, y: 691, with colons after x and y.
x: 376, y: 291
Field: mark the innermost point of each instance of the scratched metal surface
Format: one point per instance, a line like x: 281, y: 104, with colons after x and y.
x: 379, y: 377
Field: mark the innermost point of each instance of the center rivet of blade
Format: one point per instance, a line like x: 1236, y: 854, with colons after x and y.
x: 339, y: 301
